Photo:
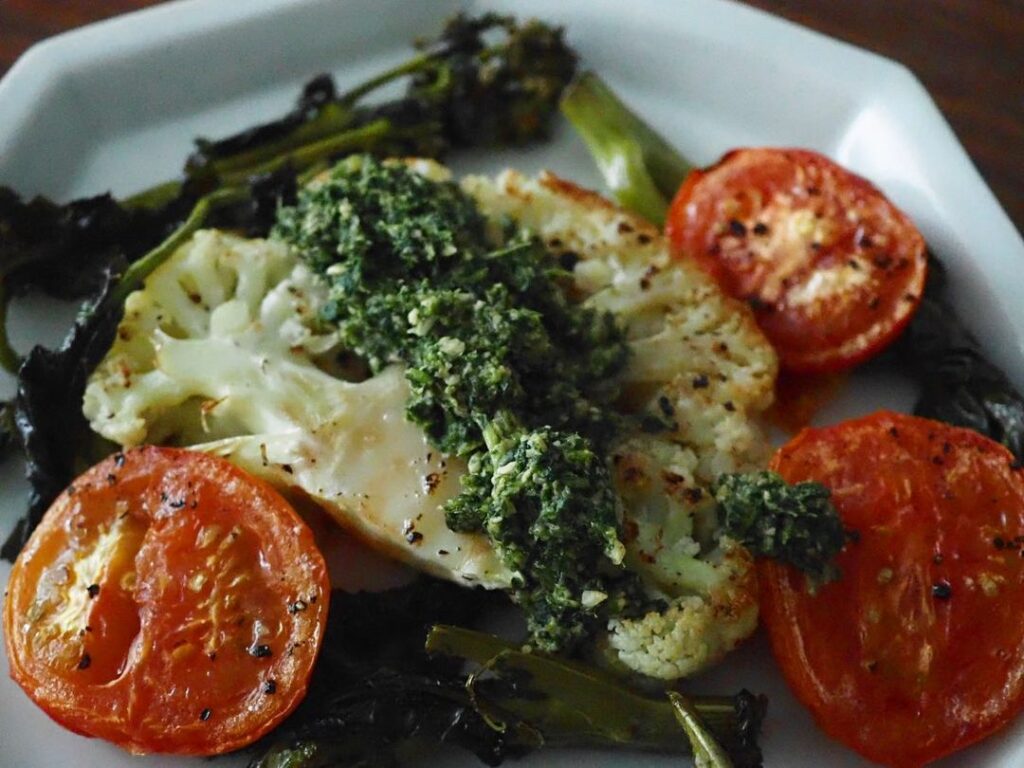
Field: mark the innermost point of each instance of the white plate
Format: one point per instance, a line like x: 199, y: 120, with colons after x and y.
x: 115, y: 106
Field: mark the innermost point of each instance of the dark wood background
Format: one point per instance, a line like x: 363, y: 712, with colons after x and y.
x: 968, y: 53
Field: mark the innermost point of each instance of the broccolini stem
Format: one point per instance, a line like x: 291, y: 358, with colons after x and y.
x: 642, y: 170
x: 143, y: 267
x: 154, y: 197
x: 303, y: 156
x: 415, y: 64
x: 707, y: 751
x: 9, y: 358
x: 572, y: 704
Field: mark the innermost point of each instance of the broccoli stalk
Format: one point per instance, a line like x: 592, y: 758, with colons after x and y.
x: 795, y: 524
x: 707, y: 752
x: 641, y: 169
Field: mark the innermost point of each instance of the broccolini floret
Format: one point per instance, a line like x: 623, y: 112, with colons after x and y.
x: 795, y: 524
x: 502, y: 368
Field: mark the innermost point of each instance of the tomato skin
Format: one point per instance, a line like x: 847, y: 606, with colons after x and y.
x: 155, y: 605
x: 918, y: 650
x: 831, y: 268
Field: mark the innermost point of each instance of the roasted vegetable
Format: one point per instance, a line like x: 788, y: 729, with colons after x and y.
x: 223, y: 350
x: 514, y: 702
x: 48, y: 415
x: 502, y: 371
x: 375, y: 688
x: 466, y: 88
x: 959, y: 384
x: 557, y: 703
x: 64, y: 249
x: 707, y: 753
x: 8, y: 429
x: 640, y: 168
x: 795, y: 524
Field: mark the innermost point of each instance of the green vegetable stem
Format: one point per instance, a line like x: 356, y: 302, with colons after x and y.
x: 640, y: 168
x: 554, y: 702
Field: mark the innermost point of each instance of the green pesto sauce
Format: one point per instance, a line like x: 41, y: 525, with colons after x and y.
x: 503, y: 370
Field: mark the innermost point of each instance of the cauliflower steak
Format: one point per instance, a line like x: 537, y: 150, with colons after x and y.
x: 222, y: 350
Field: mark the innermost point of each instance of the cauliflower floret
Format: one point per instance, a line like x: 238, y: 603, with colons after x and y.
x: 707, y: 583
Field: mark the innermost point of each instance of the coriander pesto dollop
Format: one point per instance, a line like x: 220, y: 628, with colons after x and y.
x: 504, y: 370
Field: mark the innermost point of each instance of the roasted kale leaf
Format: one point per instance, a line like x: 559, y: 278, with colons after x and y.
x: 959, y: 384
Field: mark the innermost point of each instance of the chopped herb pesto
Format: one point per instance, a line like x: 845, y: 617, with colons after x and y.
x: 795, y: 524
x: 503, y: 370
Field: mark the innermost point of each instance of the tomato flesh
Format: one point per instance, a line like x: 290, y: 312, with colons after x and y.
x: 832, y: 270
x: 168, y: 603
x: 918, y: 650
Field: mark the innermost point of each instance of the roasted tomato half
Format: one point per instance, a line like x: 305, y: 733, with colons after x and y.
x: 167, y: 602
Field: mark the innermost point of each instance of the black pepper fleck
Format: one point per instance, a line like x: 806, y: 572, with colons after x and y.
x: 93, y: 590
x: 85, y: 662
x: 760, y: 228
x: 737, y: 228
x: 260, y: 651
x: 414, y: 537
x: 270, y: 687
x: 941, y: 590
x: 298, y: 606
x: 205, y: 714
x: 700, y: 382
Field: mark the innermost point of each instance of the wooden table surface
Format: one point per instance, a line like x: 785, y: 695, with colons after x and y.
x: 968, y: 53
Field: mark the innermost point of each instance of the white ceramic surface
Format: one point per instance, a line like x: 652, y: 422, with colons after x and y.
x: 115, y: 106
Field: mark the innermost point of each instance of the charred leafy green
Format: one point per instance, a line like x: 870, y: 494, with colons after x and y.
x: 56, y: 438
x: 372, y: 701
x: 8, y: 429
x: 959, y: 384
